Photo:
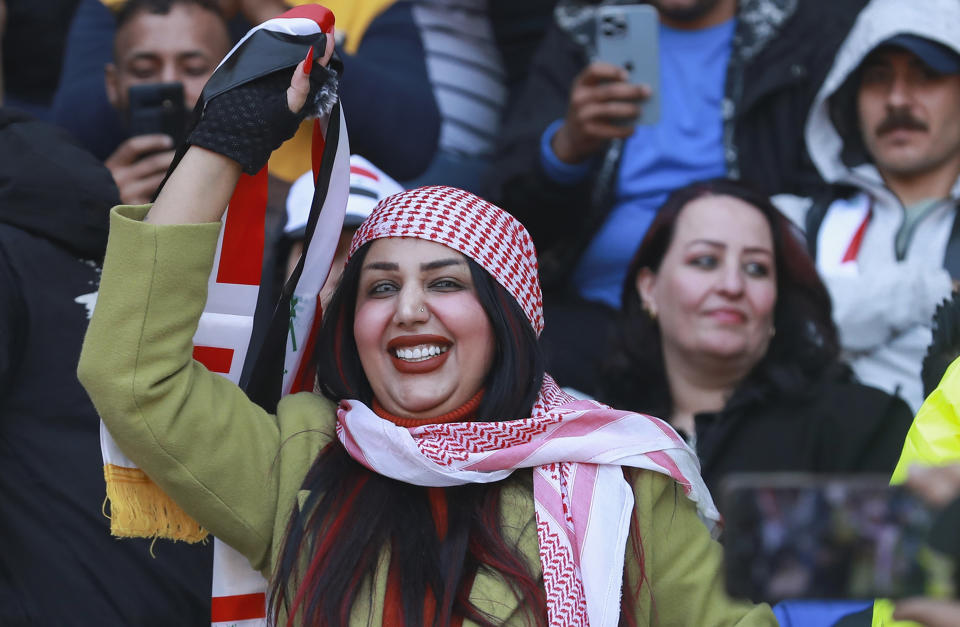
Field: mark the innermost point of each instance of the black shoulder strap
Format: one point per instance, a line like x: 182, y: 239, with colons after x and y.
x: 818, y: 211
x: 951, y: 258
x: 811, y: 224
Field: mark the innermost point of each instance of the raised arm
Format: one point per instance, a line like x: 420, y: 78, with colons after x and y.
x: 199, y: 188
x: 194, y: 433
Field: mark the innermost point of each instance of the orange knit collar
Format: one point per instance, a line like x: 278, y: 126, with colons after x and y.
x: 464, y: 413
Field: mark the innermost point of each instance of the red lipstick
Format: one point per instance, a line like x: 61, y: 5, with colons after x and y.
x: 417, y: 367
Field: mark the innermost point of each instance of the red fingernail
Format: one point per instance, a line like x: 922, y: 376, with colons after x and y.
x: 308, y: 62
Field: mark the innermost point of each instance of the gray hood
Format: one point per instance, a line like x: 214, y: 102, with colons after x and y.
x: 937, y: 20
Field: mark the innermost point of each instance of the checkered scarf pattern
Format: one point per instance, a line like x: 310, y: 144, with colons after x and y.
x: 468, y: 224
x: 576, y: 450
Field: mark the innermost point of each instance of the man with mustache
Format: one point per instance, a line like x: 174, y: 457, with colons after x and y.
x: 884, y: 132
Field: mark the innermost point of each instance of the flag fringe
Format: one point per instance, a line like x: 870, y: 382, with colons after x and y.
x: 140, y: 509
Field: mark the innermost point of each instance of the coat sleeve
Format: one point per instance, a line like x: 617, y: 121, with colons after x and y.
x: 195, y: 434
x: 681, y: 565
x: 934, y: 436
x: 879, y: 304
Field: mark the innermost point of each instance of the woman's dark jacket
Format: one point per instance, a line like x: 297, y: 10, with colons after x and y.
x: 831, y: 425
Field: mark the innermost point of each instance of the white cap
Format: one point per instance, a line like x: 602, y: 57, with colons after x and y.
x: 368, y: 186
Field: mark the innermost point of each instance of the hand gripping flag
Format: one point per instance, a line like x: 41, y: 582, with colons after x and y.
x: 138, y: 508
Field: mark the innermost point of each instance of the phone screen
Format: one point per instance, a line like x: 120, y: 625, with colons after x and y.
x: 812, y: 536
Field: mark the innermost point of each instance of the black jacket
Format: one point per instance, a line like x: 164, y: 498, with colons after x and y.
x: 58, y: 563
x: 837, y: 426
x: 784, y: 419
x: 782, y: 51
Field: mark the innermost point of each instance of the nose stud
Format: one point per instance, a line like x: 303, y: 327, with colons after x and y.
x: 422, y: 310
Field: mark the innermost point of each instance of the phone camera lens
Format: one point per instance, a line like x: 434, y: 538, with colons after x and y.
x: 613, y: 26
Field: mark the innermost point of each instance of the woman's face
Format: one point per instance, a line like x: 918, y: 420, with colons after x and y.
x: 424, y: 340
x: 716, y: 288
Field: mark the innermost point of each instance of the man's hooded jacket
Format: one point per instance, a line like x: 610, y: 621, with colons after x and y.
x: 884, y: 293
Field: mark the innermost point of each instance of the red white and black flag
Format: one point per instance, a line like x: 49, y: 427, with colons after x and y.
x: 223, y: 335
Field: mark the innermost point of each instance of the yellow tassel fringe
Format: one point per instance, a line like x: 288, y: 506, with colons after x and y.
x: 140, y: 509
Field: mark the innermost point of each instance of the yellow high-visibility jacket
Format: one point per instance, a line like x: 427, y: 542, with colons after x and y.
x: 933, y: 440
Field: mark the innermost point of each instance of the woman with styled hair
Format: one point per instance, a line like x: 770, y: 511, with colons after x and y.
x: 726, y: 332
x: 440, y: 478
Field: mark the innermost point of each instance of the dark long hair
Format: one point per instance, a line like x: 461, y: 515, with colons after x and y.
x: 334, y: 540
x: 804, y: 346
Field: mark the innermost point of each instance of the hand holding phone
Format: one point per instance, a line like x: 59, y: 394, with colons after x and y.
x: 627, y: 36
x: 618, y: 89
x: 156, y: 121
x: 138, y: 166
x: 600, y: 99
x: 157, y: 108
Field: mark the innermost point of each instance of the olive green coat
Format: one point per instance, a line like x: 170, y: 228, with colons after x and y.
x: 238, y: 470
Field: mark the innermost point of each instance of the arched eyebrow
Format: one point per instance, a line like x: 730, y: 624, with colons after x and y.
x: 708, y: 242
x: 382, y: 265
x: 441, y: 263
x: 390, y: 266
x: 718, y: 244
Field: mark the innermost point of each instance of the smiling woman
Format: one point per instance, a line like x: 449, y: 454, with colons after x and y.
x: 441, y: 477
x: 727, y: 332
x: 423, y: 338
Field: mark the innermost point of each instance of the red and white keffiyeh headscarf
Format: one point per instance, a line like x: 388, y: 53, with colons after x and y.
x: 575, y: 448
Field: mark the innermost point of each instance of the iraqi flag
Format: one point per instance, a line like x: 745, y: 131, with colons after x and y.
x: 138, y: 507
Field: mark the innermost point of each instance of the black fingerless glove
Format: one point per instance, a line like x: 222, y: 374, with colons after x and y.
x: 248, y: 122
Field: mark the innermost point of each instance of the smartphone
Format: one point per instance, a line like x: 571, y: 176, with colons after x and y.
x: 157, y: 108
x: 795, y: 535
x: 626, y: 35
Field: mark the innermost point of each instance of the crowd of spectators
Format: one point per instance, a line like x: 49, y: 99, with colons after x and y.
x: 760, y: 267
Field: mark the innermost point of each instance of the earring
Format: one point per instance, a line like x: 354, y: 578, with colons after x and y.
x: 650, y: 311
